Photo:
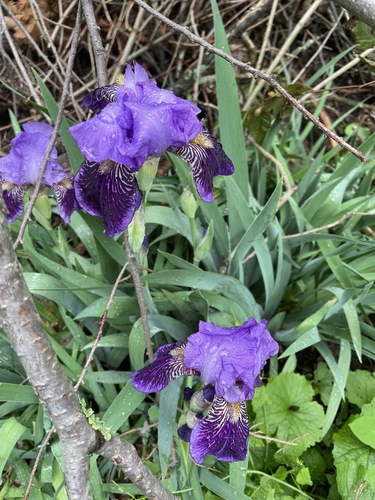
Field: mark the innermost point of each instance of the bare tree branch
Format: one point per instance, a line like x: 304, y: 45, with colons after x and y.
x: 364, y: 10
x: 124, y: 455
x: 257, y: 74
x: 60, y: 114
x: 99, y: 51
x: 22, y: 325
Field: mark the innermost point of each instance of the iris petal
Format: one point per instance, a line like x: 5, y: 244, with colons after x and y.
x: 108, y: 190
x: 167, y: 365
x: 207, y: 159
x: 65, y: 197
x: 231, y: 359
x: 13, y: 197
x: 99, y: 137
x: 119, y: 198
x: 100, y: 97
x: 87, y: 185
x: 222, y: 432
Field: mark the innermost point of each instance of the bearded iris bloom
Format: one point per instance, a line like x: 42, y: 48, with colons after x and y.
x: 229, y: 362
x: 138, y: 120
x: 19, y: 171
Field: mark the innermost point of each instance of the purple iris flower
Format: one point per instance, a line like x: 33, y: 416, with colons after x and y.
x: 19, y: 170
x: 229, y: 362
x: 138, y: 120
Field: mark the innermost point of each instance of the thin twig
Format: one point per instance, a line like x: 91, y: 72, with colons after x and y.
x: 101, y: 326
x: 37, y: 460
x: 328, y: 226
x: 100, y: 59
x: 60, y: 114
x: 276, y: 162
x: 257, y: 74
x: 138, y: 291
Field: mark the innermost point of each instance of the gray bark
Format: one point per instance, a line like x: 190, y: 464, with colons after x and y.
x: 21, y: 323
x: 364, y: 10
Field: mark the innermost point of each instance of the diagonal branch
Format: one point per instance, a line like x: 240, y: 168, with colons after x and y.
x: 99, y: 51
x: 256, y: 73
x: 60, y: 114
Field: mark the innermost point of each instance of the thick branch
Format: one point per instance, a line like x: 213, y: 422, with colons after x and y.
x: 124, y: 455
x: 22, y: 325
x: 364, y: 10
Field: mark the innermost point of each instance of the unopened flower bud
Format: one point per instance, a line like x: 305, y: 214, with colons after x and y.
x: 188, y: 203
x: 146, y: 175
x: 136, y: 231
x: 202, y: 249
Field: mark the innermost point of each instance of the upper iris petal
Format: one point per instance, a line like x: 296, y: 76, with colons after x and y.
x: 231, y: 359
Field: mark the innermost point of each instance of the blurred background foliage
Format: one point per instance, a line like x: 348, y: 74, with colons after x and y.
x: 289, y: 238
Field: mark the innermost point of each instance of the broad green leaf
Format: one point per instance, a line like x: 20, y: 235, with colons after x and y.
x: 285, y: 406
x: 360, y: 387
x: 219, y: 486
x: 18, y: 393
x: 364, y: 429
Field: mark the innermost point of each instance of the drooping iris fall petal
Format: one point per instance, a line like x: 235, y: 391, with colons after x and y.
x: 207, y: 159
x: 167, y: 365
x: 108, y: 190
x: 222, y: 432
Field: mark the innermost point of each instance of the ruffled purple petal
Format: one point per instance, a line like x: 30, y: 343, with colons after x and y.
x: 22, y: 165
x: 207, y: 159
x: 99, y: 138
x: 167, y: 365
x: 65, y: 197
x: 223, y: 432
x: 13, y: 197
x: 230, y: 359
x: 100, y: 97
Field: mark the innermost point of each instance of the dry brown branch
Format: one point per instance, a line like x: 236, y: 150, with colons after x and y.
x: 64, y: 97
x: 257, y: 74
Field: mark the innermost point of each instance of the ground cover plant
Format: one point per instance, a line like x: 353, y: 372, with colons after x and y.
x: 201, y: 326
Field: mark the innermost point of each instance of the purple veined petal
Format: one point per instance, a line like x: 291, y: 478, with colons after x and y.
x: 223, y: 432
x: 207, y: 159
x: 87, y: 184
x: 100, y: 97
x: 13, y: 197
x: 120, y: 197
x: 108, y: 190
x: 65, y: 197
x: 167, y: 365
x: 38, y: 127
